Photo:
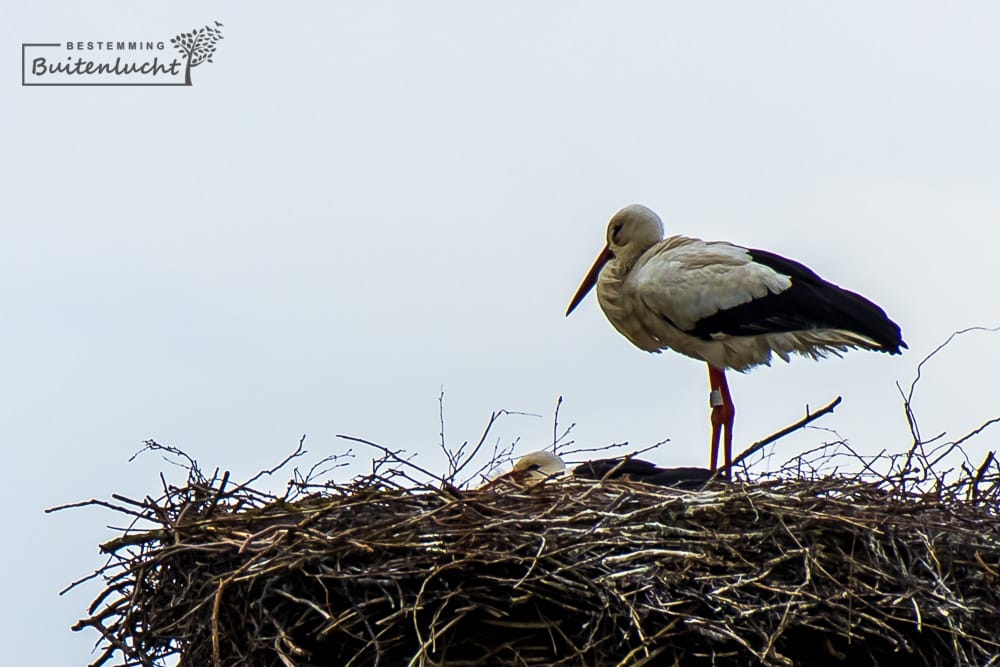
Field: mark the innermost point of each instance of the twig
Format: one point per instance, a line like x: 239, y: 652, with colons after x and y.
x: 394, y: 456
x: 908, y: 396
x: 757, y: 446
x: 557, y: 437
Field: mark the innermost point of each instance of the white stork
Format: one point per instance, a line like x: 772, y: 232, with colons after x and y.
x: 729, y: 306
x: 540, y: 466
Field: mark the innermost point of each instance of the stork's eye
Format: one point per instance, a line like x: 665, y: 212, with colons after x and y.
x: 614, y: 232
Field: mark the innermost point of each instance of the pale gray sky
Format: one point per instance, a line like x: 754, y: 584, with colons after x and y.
x: 358, y: 203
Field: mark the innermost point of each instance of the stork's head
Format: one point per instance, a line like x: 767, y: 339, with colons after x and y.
x: 631, y: 232
x: 533, y: 468
x: 540, y: 465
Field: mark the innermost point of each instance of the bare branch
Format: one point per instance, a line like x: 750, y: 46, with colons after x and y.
x: 809, y: 418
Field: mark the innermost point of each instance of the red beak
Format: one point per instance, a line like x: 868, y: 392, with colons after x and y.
x: 591, y: 279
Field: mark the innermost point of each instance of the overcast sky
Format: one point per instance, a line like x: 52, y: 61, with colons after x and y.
x: 361, y: 203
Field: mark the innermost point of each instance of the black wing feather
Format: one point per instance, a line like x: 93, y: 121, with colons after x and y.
x: 810, y: 303
x: 643, y: 471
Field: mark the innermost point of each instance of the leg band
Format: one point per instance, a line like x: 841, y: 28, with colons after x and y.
x: 715, y: 399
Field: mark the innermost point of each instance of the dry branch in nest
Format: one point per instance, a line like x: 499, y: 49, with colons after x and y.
x: 388, y: 570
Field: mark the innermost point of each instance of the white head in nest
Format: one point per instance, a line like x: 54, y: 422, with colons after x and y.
x: 533, y: 468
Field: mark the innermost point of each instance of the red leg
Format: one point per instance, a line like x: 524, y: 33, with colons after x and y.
x: 723, y: 413
x: 730, y: 416
x: 715, y: 401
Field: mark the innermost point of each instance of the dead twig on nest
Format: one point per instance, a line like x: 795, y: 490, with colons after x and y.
x: 808, y: 419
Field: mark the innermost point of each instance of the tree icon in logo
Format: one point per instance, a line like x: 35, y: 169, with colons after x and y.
x: 197, y: 47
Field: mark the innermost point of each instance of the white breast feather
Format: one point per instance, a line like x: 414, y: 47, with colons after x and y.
x: 687, y: 279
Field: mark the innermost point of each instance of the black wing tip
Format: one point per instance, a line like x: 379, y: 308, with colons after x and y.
x: 811, y: 302
x: 896, y: 348
x: 891, y: 341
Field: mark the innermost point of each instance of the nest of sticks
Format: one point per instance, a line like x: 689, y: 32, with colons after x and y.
x: 801, y: 567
